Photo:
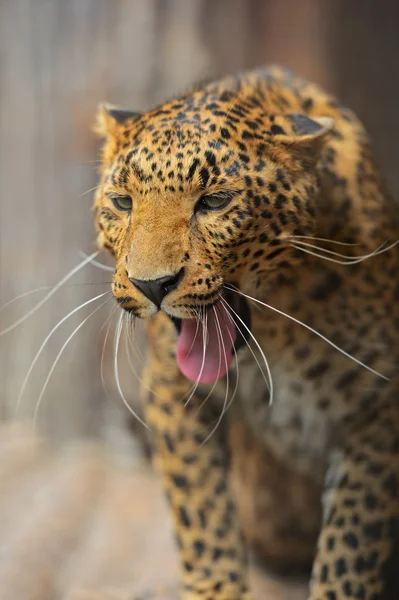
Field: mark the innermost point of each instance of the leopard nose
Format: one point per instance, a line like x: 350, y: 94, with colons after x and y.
x: 156, y: 289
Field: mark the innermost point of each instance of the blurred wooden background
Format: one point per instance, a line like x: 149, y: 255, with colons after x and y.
x: 58, y: 59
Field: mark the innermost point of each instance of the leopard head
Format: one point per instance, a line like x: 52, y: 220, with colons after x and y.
x: 198, y: 196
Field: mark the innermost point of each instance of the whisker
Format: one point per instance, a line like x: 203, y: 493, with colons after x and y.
x: 196, y: 331
x: 205, y: 312
x: 39, y: 289
x: 49, y: 335
x: 116, y: 372
x: 96, y: 263
x: 204, y: 333
x: 128, y: 346
x: 50, y: 294
x: 197, y: 315
x: 104, y: 348
x: 114, y: 307
x: 225, y: 308
x: 45, y: 288
x: 221, y: 345
x: 135, y: 347
x: 269, y: 382
x: 228, y: 308
x: 216, y: 380
x: 57, y: 358
x: 90, y: 190
x: 237, y: 368
x: 320, y: 335
x: 320, y: 239
x: 133, y: 339
x: 349, y: 259
x: 306, y: 244
x: 334, y: 260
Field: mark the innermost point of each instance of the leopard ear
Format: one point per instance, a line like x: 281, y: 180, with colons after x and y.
x: 110, y: 118
x: 301, y: 132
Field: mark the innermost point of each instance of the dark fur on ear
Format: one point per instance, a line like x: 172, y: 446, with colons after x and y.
x: 301, y: 135
x: 120, y: 115
x: 298, y: 128
x: 110, y: 118
x: 315, y: 127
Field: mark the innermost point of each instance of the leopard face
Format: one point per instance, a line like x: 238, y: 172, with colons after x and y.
x: 201, y: 192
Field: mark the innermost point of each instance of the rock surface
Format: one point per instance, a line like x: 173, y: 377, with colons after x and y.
x: 79, y: 525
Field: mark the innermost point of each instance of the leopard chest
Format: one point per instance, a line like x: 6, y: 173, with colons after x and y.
x: 285, y: 414
x: 296, y: 403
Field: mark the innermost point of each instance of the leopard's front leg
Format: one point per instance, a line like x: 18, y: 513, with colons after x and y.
x: 358, y: 548
x: 194, y: 473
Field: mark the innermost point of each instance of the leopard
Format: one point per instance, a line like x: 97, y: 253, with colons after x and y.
x: 253, y: 232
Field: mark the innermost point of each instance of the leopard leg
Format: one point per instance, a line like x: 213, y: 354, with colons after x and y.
x: 194, y: 474
x: 357, y: 553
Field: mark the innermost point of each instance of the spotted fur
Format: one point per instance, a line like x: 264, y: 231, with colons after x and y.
x: 315, y: 475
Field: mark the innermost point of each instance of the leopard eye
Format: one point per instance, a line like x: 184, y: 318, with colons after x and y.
x: 123, y: 203
x: 214, y: 201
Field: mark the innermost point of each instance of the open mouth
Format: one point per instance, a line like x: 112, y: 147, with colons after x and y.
x: 205, y: 348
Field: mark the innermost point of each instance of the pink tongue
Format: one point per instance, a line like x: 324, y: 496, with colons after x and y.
x: 208, y: 366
